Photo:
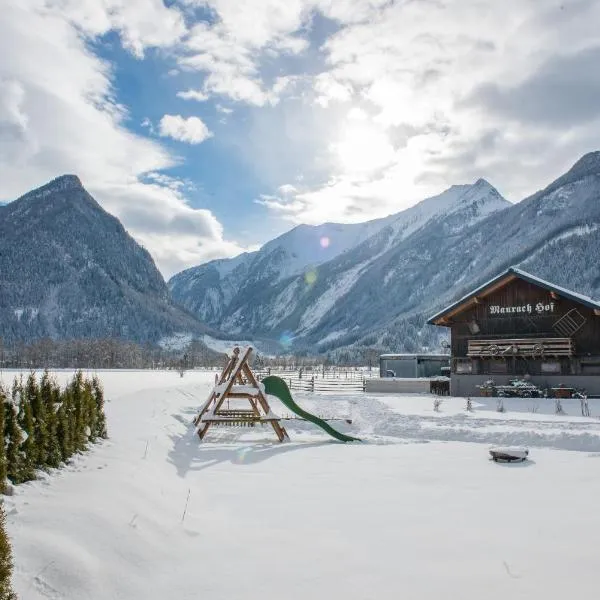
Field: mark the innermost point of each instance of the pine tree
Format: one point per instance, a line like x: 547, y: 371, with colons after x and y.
x: 64, y: 425
x: 100, y: 429
x: 40, y: 426
x: 3, y: 464
x: 26, y: 422
x: 14, y: 438
x: 78, y: 415
x: 50, y: 395
x: 90, y: 411
x: 6, y: 562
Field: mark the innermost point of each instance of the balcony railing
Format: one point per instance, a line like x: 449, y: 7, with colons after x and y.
x: 525, y: 347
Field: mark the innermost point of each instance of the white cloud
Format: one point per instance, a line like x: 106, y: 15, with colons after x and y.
x: 191, y: 130
x: 287, y: 189
x: 353, y: 197
x: 197, y: 95
x: 140, y: 23
x: 412, y: 97
x: 228, y: 52
x: 58, y: 115
x: 449, y: 91
x: 177, y: 235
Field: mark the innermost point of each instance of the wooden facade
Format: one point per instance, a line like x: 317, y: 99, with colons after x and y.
x: 519, y: 325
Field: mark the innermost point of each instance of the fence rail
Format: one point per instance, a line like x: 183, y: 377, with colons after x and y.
x: 316, y: 382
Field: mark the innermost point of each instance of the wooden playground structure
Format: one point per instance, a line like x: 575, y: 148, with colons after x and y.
x: 237, y: 381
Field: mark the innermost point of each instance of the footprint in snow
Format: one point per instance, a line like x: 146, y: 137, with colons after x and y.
x: 45, y: 589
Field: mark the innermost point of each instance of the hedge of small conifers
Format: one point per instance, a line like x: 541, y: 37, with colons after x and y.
x: 44, y: 425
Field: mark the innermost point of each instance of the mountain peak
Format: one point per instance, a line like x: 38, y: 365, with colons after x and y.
x: 66, y: 182
x: 63, y: 183
x: 588, y: 164
x: 483, y: 183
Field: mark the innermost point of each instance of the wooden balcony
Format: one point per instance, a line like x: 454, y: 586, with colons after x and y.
x: 526, y: 348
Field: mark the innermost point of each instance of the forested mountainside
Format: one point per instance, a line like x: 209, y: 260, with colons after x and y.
x: 379, y: 292
x: 554, y: 234
x: 210, y: 290
x: 68, y: 269
x: 311, y: 303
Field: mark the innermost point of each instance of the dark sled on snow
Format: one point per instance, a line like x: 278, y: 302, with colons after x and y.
x: 509, y: 454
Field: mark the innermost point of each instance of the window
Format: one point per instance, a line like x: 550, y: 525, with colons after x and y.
x: 463, y: 366
x: 590, y: 367
x: 498, y: 366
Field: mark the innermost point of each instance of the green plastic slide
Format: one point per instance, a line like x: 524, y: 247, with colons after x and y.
x: 275, y: 386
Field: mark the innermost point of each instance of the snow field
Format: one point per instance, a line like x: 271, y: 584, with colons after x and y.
x: 153, y: 513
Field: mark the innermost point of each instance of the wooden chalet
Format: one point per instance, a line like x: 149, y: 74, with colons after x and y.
x: 518, y: 325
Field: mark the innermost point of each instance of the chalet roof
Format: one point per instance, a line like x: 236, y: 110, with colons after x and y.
x: 501, y: 280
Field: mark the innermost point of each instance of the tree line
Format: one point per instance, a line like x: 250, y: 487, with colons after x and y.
x: 43, y: 425
x: 110, y: 353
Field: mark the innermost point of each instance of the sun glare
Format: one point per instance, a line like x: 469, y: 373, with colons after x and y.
x: 363, y: 148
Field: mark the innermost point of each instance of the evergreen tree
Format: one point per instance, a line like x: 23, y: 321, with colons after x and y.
x: 26, y: 423
x: 14, y: 438
x: 100, y: 423
x: 3, y: 465
x: 78, y: 423
x: 64, y: 426
x: 90, y: 411
x: 6, y: 562
x: 40, y: 425
x: 50, y: 395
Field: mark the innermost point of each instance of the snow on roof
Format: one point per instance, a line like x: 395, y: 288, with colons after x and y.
x: 586, y: 300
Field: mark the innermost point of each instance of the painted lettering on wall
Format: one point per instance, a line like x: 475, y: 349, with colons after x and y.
x: 529, y: 309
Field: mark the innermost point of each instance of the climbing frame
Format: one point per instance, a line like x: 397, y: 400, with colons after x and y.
x: 237, y: 381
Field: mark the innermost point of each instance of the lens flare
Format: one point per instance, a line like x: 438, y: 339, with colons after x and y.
x: 240, y: 455
x: 325, y: 241
x: 310, y: 277
x: 286, y: 339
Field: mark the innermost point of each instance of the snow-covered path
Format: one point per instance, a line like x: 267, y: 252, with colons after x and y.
x: 153, y: 514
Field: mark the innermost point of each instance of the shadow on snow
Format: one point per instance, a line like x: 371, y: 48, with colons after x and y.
x: 189, y: 453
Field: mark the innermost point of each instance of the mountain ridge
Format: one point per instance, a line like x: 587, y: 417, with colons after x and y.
x: 380, y: 291
x: 263, y: 305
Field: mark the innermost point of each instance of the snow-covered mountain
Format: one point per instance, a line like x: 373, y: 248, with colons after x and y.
x: 554, y: 234
x: 290, y: 286
x: 210, y: 289
x: 68, y: 269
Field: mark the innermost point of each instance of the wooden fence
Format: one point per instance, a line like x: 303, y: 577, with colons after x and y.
x: 342, y: 382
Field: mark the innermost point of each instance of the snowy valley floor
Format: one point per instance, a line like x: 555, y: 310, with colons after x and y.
x: 416, y: 512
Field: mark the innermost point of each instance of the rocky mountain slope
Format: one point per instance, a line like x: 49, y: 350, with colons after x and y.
x: 210, y: 290
x: 68, y: 269
x: 336, y: 297
x: 554, y: 234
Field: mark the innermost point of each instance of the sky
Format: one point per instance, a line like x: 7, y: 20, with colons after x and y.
x: 208, y: 127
